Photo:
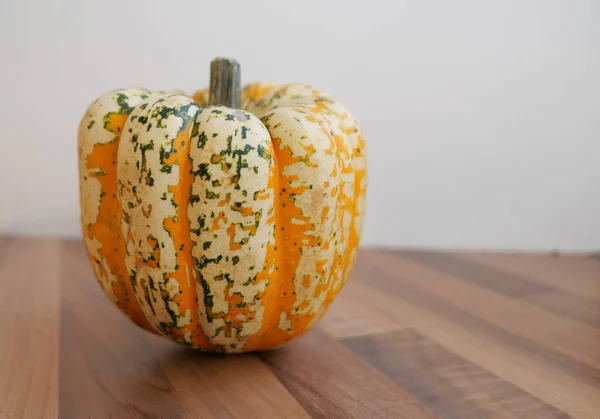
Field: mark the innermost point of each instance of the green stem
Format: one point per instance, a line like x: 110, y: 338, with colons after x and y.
x: 225, y: 83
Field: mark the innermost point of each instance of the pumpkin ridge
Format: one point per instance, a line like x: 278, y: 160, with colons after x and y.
x: 231, y: 216
x: 271, y: 298
x: 100, y: 163
x: 182, y: 241
x: 154, y: 176
x: 298, y: 228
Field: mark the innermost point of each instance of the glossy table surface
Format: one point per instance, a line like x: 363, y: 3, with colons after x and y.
x: 413, y: 334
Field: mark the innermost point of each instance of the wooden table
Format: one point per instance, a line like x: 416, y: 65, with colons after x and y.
x: 412, y: 335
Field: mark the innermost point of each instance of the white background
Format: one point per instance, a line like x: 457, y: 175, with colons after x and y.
x: 482, y: 117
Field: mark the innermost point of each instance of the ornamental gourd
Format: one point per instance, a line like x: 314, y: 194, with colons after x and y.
x: 227, y: 221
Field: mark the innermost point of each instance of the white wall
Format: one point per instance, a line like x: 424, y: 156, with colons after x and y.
x: 482, y: 117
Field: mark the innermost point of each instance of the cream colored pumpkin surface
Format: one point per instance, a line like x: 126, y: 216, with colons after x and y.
x: 224, y: 229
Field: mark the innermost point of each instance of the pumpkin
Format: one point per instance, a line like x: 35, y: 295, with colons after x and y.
x: 227, y: 226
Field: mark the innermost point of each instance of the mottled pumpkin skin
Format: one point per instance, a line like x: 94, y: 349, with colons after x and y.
x: 222, y: 229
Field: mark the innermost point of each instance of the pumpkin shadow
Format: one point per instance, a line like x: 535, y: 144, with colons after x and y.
x: 208, y: 364
x: 181, y: 357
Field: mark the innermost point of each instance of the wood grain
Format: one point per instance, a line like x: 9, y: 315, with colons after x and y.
x: 558, y: 380
x: 525, y: 324
x: 449, y: 383
x: 581, y: 309
x: 574, y: 274
x: 524, y: 369
x: 552, y: 291
x: 331, y: 382
x: 216, y: 386
x: 413, y: 334
x: 29, y: 327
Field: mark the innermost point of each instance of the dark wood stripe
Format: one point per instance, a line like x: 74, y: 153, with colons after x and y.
x: 331, y: 382
x: 416, y: 292
x: 453, y: 386
x: 548, y: 268
x: 582, y: 309
x: 576, y: 275
x: 511, y: 285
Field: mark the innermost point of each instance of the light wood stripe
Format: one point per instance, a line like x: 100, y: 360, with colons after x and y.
x: 29, y: 328
x: 350, y: 316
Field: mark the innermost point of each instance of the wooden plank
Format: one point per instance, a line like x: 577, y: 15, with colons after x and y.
x: 574, y: 274
x: 486, y: 346
x: 438, y: 325
x: 455, y: 387
x: 29, y: 286
x: 112, y: 368
x: 331, y: 382
x: 560, y: 339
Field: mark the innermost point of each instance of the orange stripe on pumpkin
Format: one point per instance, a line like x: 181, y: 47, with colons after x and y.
x: 272, y: 271
x: 179, y: 230
x: 102, y: 164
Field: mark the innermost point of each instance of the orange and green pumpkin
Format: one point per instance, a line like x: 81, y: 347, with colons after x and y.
x: 223, y: 229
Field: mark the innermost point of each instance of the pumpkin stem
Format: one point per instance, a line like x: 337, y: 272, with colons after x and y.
x: 225, y: 84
